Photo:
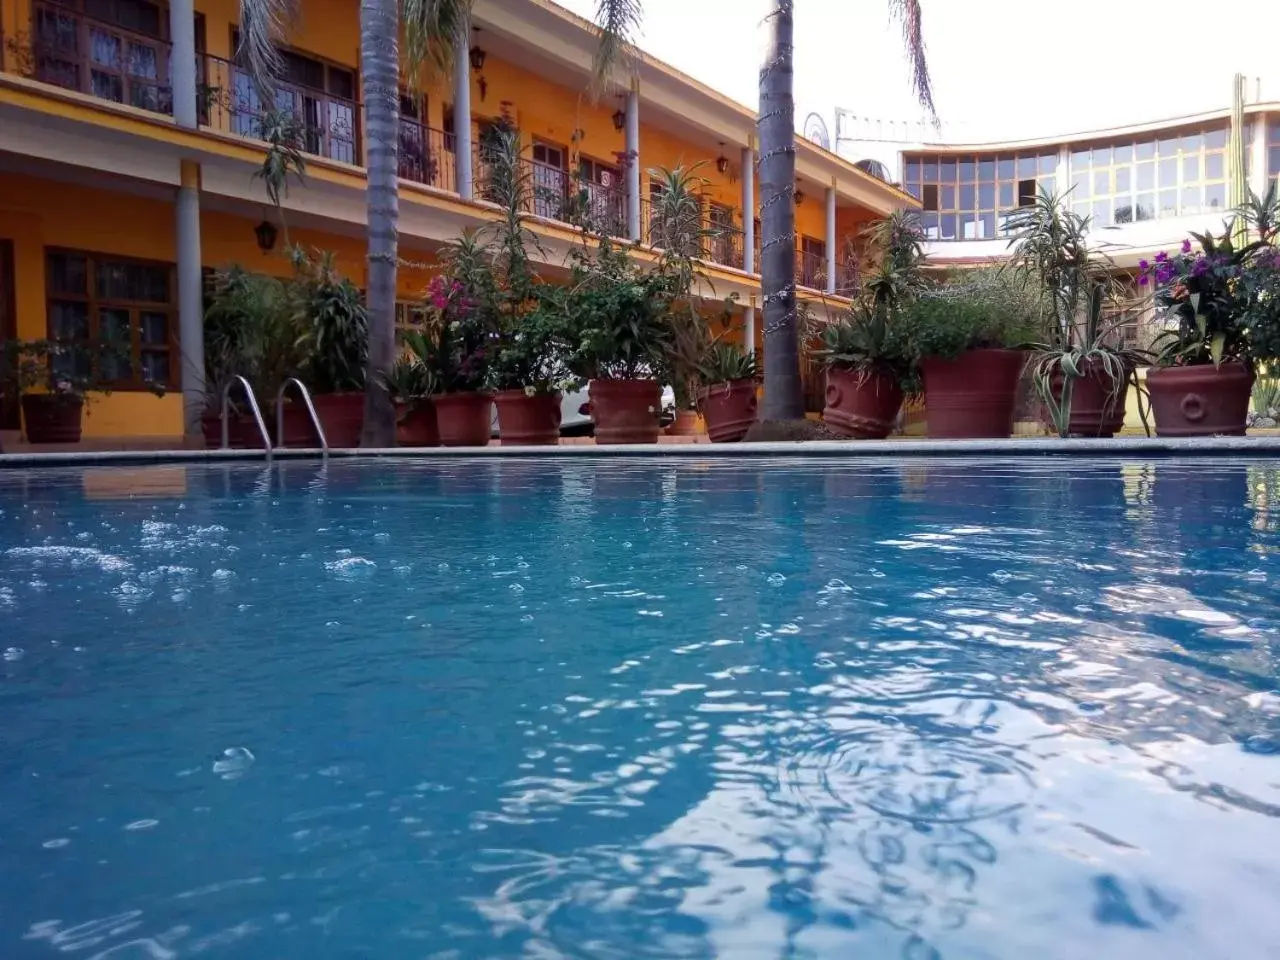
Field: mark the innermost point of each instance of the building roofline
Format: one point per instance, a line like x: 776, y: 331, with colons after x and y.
x: 1087, y: 136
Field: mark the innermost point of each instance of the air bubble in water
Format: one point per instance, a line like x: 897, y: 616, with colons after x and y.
x: 516, y: 588
x: 382, y: 537
x: 223, y: 575
x: 14, y: 653
x: 776, y: 579
x: 234, y: 763
x: 351, y: 568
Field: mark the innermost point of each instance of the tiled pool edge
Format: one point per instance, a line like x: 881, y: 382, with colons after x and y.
x: 1029, y: 447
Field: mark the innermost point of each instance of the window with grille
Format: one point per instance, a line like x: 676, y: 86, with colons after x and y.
x: 124, y: 309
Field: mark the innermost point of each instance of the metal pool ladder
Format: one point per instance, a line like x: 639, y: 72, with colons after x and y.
x: 253, y: 405
x: 311, y: 412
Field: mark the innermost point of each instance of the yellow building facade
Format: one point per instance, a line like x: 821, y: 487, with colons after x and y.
x: 125, y: 175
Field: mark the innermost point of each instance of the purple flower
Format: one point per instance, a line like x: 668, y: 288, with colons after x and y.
x: 1143, y: 280
x: 1186, y: 246
x: 1144, y: 265
x: 1161, y: 257
x: 1200, y: 268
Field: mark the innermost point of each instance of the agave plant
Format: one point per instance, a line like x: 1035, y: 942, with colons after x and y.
x: 727, y: 362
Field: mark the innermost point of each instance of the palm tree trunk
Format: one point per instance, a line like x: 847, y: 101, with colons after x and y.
x: 783, y: 391
x: 380, y: 72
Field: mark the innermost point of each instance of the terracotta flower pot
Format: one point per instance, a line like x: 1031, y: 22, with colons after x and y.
x: 860, y: 404
x: 463, y: 419
x: 1199, y: 401
x: 1097, y: 403
x: 685, y: 424
x: 242, y: 432
x: 342, y: 416
x: 972, y: 396
x: 52, y: 418
x: 625, y: 411
x: 298, y: 430
x: 729, y: 409
x: 416, y: 425
x: 528, y: 421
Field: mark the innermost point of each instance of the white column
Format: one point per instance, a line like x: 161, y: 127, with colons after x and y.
x: 633, y: 162
x: 831, y: 239
x: 749, y: 326
x: 190, y: 297
x: 462, y: 113
x: 749, y: 217
x: 1258, y: 153
x: 182, y: 62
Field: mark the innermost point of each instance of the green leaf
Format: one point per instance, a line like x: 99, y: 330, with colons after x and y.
x: 1215, y: 347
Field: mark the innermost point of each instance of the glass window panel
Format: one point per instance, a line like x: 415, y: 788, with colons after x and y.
x: 1168, y: 173
x: 1123, y: 153
x: 1101, y: 213
x: 967, y: 169
x: 986, y: 196
x: 913, y: 168
x: 1193, y: 142
x: 155, y: 366
x: 1168, y: 203
x: 914, y: 190
x: 1080, y: 186
x: 113, y: 325
x: 68, y: 320
x: 1273, y: 131
x: 1216, y: 138
x: 154, y: 328
x: 1048, y: 163
x: 1080, y: 208
x: 987, y: 170
x: 1046, y: 184
x: 1146, y: 207
x: 116, y: 365
x: 1026, y: 167
x: 1079, y: 160
x: 111, y: 281
x: 1006, y: 195
x: 1146, y: 176
x: 1006, y: 168
x: 930, y: 174
x: 1124, y: 179
x: 947, y: 170
x: 948, y: 199
x: 1145, y: 150
x: 1215, y: 196
x: 1214, y: 166
x: 72, y: 362
x: 988, y: 225
x: 1124, y: 212
x: 948, y: 226
x: 929, y: 224
x: 1101, y: 156
x: 1168, y: 147
x: 929, y: 198
x: 1190, y: 169
x: 1190, y: 200
x: 968, y: 196
x: 971, y: 227
x: 68, y: 273
x: 1273, y: 161
x: 1101, y: 183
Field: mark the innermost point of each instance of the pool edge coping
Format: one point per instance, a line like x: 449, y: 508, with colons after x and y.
x: 853, y: 449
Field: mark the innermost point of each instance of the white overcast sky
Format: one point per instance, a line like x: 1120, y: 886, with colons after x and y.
x: 1002, y: 69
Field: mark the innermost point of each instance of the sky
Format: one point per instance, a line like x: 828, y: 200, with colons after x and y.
x: 1002, y: 69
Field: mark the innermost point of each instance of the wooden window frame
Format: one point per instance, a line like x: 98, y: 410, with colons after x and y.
x: 9, y: 409
x: 93, y: 303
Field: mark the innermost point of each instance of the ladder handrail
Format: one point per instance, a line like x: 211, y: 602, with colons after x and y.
x: 311, y: 411
x: 253, y: 405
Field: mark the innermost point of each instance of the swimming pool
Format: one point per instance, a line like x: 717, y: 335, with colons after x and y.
x: 955, y: 709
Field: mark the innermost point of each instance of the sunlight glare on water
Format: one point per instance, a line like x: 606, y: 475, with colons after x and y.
x: 641, y: 708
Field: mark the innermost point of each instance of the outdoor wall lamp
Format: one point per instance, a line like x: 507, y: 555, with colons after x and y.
x: 266, y: 234
x: 619, y: 119
x: 477, y: 55
x: 799, y: 197
x: 722, y: 162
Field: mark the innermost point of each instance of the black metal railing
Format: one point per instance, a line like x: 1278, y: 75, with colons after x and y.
x: 427, y: 155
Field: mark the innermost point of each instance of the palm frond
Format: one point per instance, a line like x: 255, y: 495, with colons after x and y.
x: 909, y: 14
x: 430, y: 31
x: 263, y: 28
x: 618, y: 22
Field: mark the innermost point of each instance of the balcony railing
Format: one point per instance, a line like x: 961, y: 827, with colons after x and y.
x: 811, y: 272
x: 718, y: 242
x: 427, y: 156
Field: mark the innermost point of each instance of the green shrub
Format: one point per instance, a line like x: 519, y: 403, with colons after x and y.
x: 982, y: 309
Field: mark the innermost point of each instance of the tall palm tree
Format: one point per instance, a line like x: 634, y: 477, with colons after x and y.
x: 618, y: 22
x: 428, y: 29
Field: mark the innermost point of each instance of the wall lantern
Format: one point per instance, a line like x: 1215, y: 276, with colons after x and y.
x: 619, y: 119
x: 799, y: 197
x: 477, y: 56
x: 266, y: 234
x: 722, y: 162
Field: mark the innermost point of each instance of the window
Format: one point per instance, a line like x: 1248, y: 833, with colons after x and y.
x: 601, y: 187
x: 550, y: 179
x: 409, y: 316
x: 929, y: 196
x: 972, y: 195
x: 8, y: 331
x: 813, y: 262
x: 126, y: 305
x: 319, y: 95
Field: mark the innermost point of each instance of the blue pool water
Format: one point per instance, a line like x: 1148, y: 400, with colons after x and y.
x: 641, y: 709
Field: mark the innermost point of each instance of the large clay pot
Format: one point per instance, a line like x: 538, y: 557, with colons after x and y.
x: 528, y: 421
x: 416, y: 425
x: 464, y: 419
x: 52, y: 418
x: 729, y: 409
x: 685, y: 424
x: 1199, y: 401
x: 1097, y: 402
x: 625, y: 411
x: 242, y: 432
x: 973, y: 395
x: 342, y: 417
x: 861, y: 404
x: 298, y: 430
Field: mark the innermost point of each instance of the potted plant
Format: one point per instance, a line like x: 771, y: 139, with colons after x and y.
x: 411, y: 384
x: 1079, y: 373
x: 51, y: 381
x: 728, y: 400
x: 457, y: 343
x: 336, y: 338
x: 968, y: 336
